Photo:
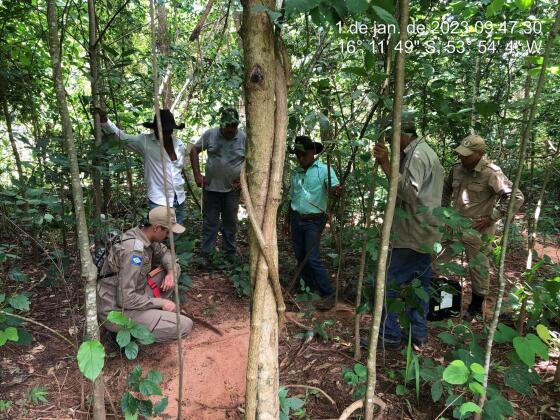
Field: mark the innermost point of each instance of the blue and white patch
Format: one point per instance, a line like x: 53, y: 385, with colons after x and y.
x: 136, y: 260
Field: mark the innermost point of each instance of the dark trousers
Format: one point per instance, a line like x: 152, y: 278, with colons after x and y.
x: 216, y: 206
x: 406, y: 265
x: 305, y: 239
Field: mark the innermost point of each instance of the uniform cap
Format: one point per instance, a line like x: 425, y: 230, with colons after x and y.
x: 470, y: 144
x: 158, y: 216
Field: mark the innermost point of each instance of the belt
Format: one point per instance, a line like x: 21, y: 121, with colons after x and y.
x: 310, y: 216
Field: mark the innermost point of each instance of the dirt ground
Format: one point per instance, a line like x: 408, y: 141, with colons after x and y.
x: 214, y: 365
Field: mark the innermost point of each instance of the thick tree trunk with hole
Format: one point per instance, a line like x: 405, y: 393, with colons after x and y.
x: 525, y: 134
x: 387, y: 218
x: 266, y: 102
x: 94, y: 82
x: 87, y: 268
x: 15, y: 151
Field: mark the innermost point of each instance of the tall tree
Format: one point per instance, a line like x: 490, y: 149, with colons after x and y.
x: 88, y: 270
x: 266, y: 101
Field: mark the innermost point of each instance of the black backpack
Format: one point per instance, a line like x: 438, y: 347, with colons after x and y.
x: 100, y: 251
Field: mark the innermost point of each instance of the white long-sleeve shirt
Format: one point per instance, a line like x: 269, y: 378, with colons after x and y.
x: 147, y: 145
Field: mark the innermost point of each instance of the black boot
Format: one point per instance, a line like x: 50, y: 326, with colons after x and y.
x: 475, y: 307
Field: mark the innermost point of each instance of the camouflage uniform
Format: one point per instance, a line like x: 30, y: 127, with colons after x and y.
x: 131, y: 260
x: 484, y: 191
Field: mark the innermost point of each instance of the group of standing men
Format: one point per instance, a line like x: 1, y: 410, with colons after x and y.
x: 476, y: 188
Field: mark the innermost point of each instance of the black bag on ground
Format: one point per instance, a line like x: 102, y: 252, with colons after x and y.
x: 445, y: 299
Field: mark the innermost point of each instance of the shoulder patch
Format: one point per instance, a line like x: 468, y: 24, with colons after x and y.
x: 494, y: 167
x: 136, y: 260
x: 138, y: 245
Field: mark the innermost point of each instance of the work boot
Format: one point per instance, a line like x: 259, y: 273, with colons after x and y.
x: 326, y: 303
x: 475, y: 307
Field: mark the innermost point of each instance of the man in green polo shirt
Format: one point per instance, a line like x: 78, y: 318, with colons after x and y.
x: 308, y: 212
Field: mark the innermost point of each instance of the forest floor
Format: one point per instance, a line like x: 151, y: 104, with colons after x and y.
x: 214, y: 365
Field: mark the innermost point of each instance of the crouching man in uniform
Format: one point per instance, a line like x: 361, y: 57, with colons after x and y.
x: 127, y: 282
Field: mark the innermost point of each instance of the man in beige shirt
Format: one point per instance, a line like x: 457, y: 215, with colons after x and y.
x: 480, y: 191
x: 123, y: 280
x: 414, y: 229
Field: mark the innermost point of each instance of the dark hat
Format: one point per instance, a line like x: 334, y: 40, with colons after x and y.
x: 167, y: 122
x: 303, y: 143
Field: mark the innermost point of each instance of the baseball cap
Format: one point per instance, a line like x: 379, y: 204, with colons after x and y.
x: 158, y: 216
x: 470, y: 144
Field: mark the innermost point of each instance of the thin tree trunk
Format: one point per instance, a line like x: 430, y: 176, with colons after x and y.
x: 526, y: 132
x: 266, y: 96
x: 88, y: 270
x: 196, y: 31
x: 163, y: 46
x: 169, y: 205
x: 93, y: 67
x: 388, y: 217
x: 476, y: 84
x: 15, y: 151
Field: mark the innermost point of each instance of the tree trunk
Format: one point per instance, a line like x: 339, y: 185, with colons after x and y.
x: 266, y: 101
x: 88, y: 270
x: 388, y: 217
x: 163, y: 47
x: 476, y: 84
x: 94, y: 82
x: 526, y: 132
x: 8, y: 119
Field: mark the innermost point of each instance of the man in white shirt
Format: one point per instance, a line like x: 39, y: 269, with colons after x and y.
x: 147, y: 145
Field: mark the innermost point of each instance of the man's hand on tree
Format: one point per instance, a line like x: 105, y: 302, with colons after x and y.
x: 168, y: 306
x: 381, y: 153
x: 167, y: 283
x: 338, y: 190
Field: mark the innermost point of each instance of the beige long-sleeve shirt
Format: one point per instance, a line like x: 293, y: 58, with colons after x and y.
x: 483, y: 191
x: 131, y: 260
x: 419, y: 193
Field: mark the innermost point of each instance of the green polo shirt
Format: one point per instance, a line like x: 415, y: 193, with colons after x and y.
x: 309, y: 188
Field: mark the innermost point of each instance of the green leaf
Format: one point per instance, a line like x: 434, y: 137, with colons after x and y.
x: 527, y: 347
x: 91, y: 358
x: 11, y: 334
x: 494, y: 8
x: 135, y: 375
x: 2, y: 297
x: 456, y: 373
x: 143, y: 335
x: 131, y: 350
x: 299, y: 6
x: 357, y: 6
x: 476, y: 388
x: 384, y: 16
x: 401, y: 390
x: 505, y: 334
x: 520, y: 378
x: 486, y: 109
x: 130, y: 416
x: 145, y: 408
x: 3, y: 338
x: 128, y: 403
x: 123, y: 338
x: 544, y: 333
x: 118, y: 318
x: 15, y: 274
x: 469, y: 407
x: 523, y: 4
x: 360, y: 370
x: 538, y: 346
x: 437, y: 391
x: 477, y: 372
x: 19, y: 302
x: 147, y: 388
x: 160, y: 406
x: 155, y: 376
x: 497, y: 408
x: 448, y: 338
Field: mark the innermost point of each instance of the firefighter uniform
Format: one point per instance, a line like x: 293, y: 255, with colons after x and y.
x: 482, y: 192
x: 131, y: 259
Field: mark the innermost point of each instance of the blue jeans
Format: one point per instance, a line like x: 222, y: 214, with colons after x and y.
x: 179, y: 209
x: 406, y: 265
x: 218, y: 205
x: 304, y: 236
